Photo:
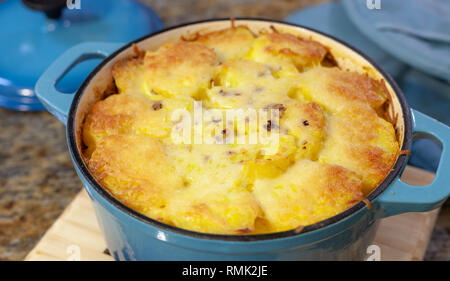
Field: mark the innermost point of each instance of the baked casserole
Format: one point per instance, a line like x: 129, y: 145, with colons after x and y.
x: 336, y: 142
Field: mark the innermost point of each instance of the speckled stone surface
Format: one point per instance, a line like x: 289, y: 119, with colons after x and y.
x: 37, y: 179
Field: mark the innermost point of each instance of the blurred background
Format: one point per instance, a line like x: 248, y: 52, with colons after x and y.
x: 37, y: 179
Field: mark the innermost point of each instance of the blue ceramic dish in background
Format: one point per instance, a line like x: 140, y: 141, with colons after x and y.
x: 346, y: 236
x: 30, y: 45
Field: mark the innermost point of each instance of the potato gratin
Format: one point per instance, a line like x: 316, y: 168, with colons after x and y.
x: 335, y: 145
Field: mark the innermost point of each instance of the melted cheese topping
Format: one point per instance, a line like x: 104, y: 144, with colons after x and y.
x: 334, y: 146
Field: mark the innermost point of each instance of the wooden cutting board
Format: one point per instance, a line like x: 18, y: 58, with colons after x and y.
x: 76, y: 235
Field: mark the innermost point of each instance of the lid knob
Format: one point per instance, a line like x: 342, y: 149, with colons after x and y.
x: 51, y: 8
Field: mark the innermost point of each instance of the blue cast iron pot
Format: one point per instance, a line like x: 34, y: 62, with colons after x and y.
x: 346, y: 236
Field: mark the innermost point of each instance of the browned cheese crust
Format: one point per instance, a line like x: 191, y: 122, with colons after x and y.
x: 335, y: 146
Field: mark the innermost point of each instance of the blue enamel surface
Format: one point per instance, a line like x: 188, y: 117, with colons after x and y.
x: 31, y: 42
x: 59, y: 103
x: 401, y: 196
x: 131, y: 238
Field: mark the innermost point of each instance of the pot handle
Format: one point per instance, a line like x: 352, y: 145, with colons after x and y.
x: 58, y: 103
x: 401, y: 197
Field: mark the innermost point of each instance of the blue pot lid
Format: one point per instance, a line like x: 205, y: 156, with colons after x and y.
x: 31, y: 42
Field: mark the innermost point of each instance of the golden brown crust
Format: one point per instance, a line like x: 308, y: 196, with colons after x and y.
x: 230, y: 43
x: 135, y: 169
x: 181, y: 68
x: 321, y: 191
x: 125, y: 114
x: 287, y: 53
x: 126, y: 73
x: 306, y: 122
x: 335, y: 89
x: 335, y: 145
x: 363, y: 142
x: 173, y: 55
x: 290, y: 45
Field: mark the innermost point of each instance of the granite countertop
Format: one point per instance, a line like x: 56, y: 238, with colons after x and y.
x: 37, y: 178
